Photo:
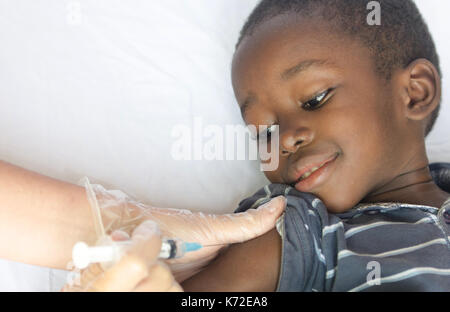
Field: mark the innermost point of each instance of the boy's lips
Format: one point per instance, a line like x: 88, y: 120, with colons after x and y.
x: 308, y: 170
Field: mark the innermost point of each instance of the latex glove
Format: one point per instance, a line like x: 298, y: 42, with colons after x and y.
x: 115, y: 210
x: 138, y: 270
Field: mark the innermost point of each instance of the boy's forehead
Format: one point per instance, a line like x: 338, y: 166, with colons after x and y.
x: 291, y: 37
x: 280, y: 44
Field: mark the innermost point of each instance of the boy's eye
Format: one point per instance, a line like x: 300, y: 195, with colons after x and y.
x: 316, y: 101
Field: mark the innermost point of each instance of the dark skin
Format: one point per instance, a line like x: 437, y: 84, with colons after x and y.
x: 376, y: 128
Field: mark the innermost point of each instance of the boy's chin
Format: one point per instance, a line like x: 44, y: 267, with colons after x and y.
x: 337, y: 204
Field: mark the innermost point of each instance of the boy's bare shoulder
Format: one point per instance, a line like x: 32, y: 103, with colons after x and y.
x: 249, y: 266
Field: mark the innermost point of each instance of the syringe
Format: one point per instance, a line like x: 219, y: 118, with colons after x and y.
x: 83, y: 255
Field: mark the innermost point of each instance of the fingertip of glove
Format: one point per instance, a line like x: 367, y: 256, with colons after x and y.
x: 275, y: 204
x: 119, y: 235
x: 145, y: 230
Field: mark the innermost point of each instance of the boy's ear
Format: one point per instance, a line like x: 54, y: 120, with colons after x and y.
x: 423, y: 89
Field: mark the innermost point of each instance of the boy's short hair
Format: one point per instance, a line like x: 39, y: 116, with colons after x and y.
x: 402, y: 37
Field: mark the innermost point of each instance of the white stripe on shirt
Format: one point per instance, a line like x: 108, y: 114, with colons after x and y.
x: 331, y: 228
x: 345, y: 253
x: 361, y: 228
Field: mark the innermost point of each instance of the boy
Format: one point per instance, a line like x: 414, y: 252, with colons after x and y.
x: 353, y: 103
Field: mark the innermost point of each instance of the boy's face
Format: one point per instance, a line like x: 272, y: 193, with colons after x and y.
x: 331, y: 107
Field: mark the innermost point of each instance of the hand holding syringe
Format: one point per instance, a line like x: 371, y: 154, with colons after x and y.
x: 112, y: 251
x: 114, y: 210
x: 109, y: 251
x: 130, y: 265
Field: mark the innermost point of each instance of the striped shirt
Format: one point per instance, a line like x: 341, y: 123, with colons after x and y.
x: 372, y: 247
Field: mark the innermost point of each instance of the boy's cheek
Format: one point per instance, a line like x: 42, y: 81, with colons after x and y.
x: 273, y: 176
x: 276, y: 176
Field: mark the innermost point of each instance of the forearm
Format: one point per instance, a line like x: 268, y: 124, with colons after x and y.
x: 41, y: 218
x: 249, y: 266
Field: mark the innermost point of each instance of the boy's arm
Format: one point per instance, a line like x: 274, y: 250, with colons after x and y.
x: 250, y: 266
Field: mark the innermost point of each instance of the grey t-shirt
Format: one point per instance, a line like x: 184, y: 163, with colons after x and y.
x: 372, y: 247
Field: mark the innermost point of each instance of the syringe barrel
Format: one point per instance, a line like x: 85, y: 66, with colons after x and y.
x: 109, y: 252
x: 172, y: 248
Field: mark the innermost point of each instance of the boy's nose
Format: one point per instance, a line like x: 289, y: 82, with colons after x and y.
x: 292, y: 140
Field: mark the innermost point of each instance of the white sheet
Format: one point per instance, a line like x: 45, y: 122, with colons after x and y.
x: 95, y: 87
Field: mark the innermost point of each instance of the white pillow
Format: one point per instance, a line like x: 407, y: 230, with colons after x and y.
x: 435, y: 14
x: 96, y: 87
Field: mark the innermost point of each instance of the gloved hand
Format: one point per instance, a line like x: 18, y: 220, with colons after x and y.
x: 114, y: 210
x: 138, y: 270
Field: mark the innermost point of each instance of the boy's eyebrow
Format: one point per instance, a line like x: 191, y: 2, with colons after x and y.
x: 300, y: 67
x: 285, y: 75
